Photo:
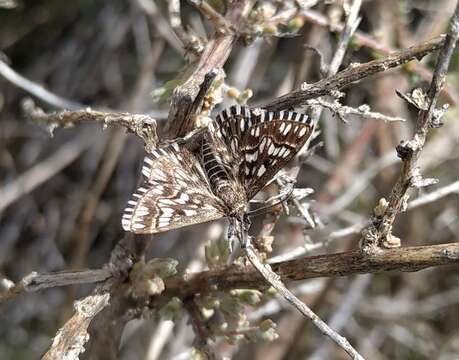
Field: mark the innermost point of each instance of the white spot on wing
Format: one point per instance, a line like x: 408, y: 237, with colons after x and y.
x: 287, y: 129
x: 261, y: 170
x: 281, y: 128
x: 262, y: 145
x: 146, y: 171
x: 189, y: 212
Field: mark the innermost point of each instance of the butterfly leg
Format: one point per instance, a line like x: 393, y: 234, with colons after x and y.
x: 238, y: 236
x: 283, y: 196
x: 234, y: 240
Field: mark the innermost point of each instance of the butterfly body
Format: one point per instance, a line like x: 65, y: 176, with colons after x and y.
x: 221, y: 171
x: 241, y: 152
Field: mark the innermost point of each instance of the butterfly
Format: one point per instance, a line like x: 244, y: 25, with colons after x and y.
x: 240, y: 153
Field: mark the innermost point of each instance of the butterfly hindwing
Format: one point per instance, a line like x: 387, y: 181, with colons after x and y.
x: 269, y: 145
x: 174, y: 194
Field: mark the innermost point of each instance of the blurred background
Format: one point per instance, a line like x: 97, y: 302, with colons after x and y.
x: 122, y: 55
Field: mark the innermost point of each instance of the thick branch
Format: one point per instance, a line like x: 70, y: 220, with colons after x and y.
x: 405, y: 259
x: 354, y: 73
x: 214, y: 56
x: 35, y: 282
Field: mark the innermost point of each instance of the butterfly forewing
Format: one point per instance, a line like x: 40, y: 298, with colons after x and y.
x: 269, y: 145
x: 232, y: 126
x: 174, y: 194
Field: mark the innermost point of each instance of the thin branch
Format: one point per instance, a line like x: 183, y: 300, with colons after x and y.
x: 429, y: 198
x: 142, y: 125
x: 366, y: 40
x: 220, y: 23
x: 71, y: 338
x: 190, y: 42
x: 213, y: 57
x: 348, y: 305
x: 362, y: 111
x: 35, y: 89
x: 160, y: 24
x: 274, y: 280
x: 80, y: 332
x: 46, y: 169
x: 159, y: 339
x: 271, y: 277
x: 352, y: 22
x: 36, y: 282
x: 378, y: 233
x: 434, y: 195
x: 353, y: 74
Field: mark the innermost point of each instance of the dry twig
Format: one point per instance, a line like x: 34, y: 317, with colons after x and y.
x: 378, y: 233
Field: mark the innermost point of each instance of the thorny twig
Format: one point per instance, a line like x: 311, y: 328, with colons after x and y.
x: 347, y: 307
x: 214, y: 55
x: 350, y: 27
x: 368, y: 41
x: 378, y: 233
x: 355, y: 229
x: 234, y: 277
x: 190, y: 42
x: 221, y: 25
x: 141, y: 125
x: 275, y: 281
x: 341, y: 110
x: 353, y: 74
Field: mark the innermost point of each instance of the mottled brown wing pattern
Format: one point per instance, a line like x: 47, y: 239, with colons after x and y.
x: 239, y: 155
x: 232, y: 126
x: 269, y: 145
x: 174, y: 194
x: 261, y: 142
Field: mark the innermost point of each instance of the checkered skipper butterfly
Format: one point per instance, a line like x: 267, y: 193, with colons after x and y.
x: 241, y: 152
